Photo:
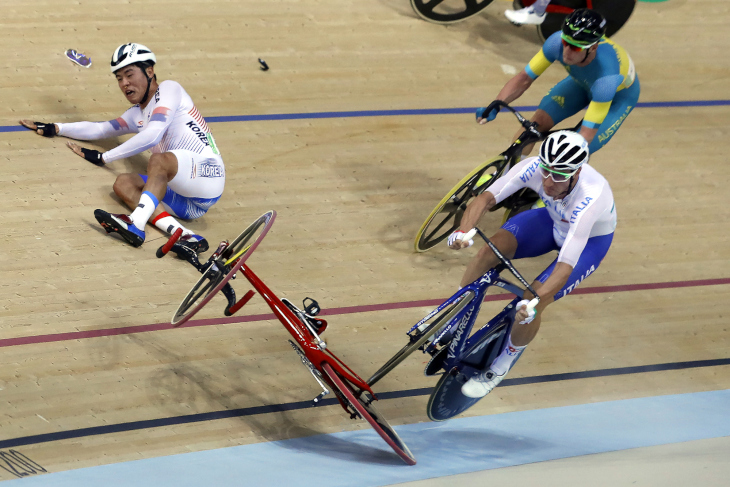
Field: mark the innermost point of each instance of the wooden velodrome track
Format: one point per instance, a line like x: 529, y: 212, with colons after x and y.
x: 350, y: 193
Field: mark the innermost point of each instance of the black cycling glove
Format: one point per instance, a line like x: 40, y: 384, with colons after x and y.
x: 49, y: 129
x: 93, y: 156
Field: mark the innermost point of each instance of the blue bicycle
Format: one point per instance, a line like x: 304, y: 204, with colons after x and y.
x: 445, y: 334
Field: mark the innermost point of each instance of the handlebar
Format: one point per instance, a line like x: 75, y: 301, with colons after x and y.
x: 471, y: 233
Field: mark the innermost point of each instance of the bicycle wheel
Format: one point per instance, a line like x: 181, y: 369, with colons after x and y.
x: 218, y: 272
x: 446, y: 315
x: 446, y: 217
x: 446, y: 399
x: 450, y: 12
x: 362, y: 403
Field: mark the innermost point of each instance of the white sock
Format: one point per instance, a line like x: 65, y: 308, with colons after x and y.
x: 508, y: 356
x: 167, y: 223
x: 144, y: 210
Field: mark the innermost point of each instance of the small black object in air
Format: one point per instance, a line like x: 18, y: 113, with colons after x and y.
x: 264, y: 66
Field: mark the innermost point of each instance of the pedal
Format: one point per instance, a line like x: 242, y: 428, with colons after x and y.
x: 320, y: 397
x: 312, y: 309
x: 313, y: 370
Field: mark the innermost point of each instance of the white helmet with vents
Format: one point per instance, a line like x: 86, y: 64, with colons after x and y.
x: 564, y: 151
x: 127, y: 54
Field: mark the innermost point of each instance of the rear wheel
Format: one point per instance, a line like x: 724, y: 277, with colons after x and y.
x: 448, y: 11
x: 446, y: 217
x: 218, y: 272
x: 362, y: 403
x: 616, y: 12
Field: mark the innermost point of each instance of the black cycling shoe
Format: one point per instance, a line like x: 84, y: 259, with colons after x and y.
x: 122, y: 225
x: 194, y: 242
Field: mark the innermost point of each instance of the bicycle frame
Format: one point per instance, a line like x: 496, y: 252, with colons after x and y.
x: 461, y: 324
x: 314, y: 348
x: 465, y: 355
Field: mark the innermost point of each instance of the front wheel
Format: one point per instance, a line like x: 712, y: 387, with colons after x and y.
x: 363, y: 404
x: 446, y: 217
x: 418, y: 339
x: 219, y: 271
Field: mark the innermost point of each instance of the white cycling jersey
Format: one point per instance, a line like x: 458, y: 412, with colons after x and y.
x: 587, y: 211
x: 170, y: 121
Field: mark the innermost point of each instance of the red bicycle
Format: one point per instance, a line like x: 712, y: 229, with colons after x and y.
x: 353, y: 393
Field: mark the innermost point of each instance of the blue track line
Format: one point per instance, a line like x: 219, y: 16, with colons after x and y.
x: 412, y: 112
x: 292, y: 406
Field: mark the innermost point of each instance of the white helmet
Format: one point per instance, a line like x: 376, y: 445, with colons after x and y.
x: 127, y: 54
x: 564, y: 151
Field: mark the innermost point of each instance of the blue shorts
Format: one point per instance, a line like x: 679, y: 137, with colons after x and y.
x: 533, y: 230
x: 185, y: 207
x: 568, y: 98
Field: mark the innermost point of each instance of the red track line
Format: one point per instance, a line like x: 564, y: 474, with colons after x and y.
x: 77, y: 335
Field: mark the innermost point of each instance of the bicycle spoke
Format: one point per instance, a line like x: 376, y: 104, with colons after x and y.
x: 429, y: 6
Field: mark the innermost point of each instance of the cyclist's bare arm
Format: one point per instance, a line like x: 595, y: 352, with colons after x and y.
x: 515, y: 87
x: 476, y: 209
x: 588, y: 133
x: 547, y: 291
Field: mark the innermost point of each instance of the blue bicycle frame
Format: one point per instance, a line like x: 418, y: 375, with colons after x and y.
x: 465, y: 355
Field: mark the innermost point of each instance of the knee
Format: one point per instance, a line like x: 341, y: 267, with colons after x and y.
x: 156, y: 161
x: 165, y: 163
x: 122, y: 183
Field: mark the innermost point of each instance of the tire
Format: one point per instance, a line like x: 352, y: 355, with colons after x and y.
x: 425, y: 10
x: 217, y: 273
x: 446, y: 399
x: 447, y: 314
x: 362, y: 403
x: 450, y: 209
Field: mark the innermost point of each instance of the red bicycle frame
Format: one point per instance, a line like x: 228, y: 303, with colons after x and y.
x: 311, y: 349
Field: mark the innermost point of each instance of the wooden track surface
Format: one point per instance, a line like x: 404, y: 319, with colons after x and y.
x: 351, y: 194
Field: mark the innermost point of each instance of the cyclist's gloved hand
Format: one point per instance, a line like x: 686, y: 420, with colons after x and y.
x: 456, y: 240
x: 93, y: 156
x: 41, y: 128
x: 523, y: 315
x: 489, y: 113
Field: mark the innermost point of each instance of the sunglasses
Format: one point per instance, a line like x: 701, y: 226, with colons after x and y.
x: 557, y: 176
x: 573, y: 47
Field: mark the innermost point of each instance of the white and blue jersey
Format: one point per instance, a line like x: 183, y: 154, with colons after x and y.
x: 579, y: 226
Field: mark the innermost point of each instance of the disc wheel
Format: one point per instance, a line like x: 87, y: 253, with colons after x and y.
x: 363, y: 404
x: 446, y: 400
x: 448, y: 11
x: 446, y: 217
x: 446, y: 315
x: 218, y: 272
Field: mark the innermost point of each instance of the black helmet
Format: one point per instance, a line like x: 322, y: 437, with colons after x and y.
x: 583, y: 28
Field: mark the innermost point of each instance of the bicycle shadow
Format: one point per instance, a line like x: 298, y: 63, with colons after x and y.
x: 472, y: 446
x: 356, y: 450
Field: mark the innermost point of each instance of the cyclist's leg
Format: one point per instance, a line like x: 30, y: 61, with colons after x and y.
x: 527, y: 234
x: 564, y: 100
x: 533, y: 232
x: 623, y: 103
x: 143, y: 201
x: 196, y: 187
